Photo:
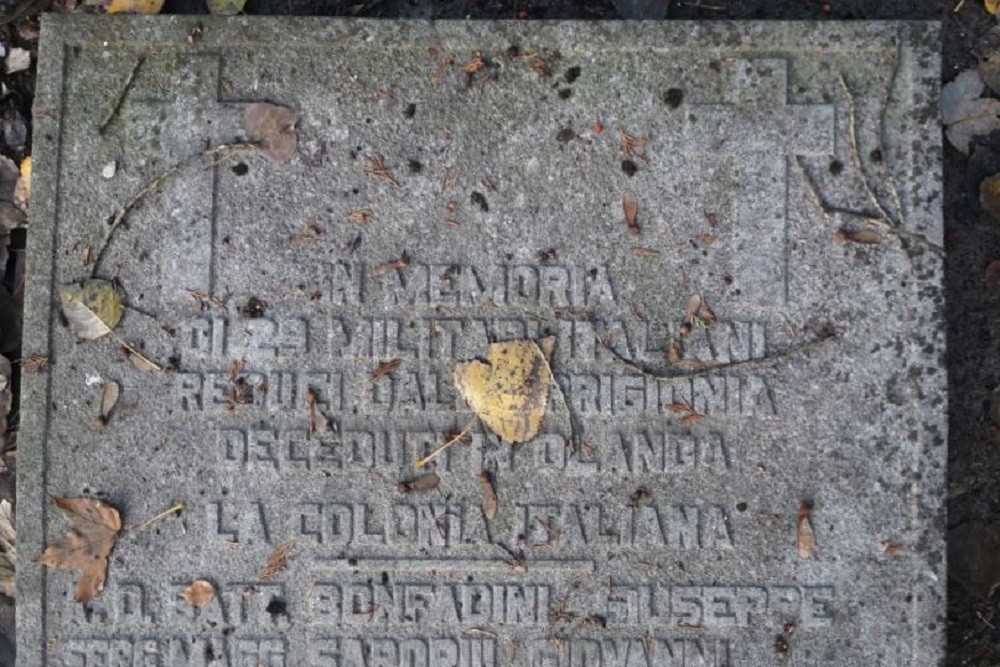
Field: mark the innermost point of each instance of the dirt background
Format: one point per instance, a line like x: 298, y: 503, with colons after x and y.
x: 972, y: 241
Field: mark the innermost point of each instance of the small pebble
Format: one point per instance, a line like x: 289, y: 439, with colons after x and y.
x: 109, y: 170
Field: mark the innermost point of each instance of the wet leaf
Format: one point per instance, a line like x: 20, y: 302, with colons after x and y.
x: 388, y: 368
x: 489, y: 494
x: 422, y: 484
x: 272, y: 128
x: 199, y: 593
x: 92, y: 309
x: 509, y: 391
x: 109, y: 398
x: 225, y: 7
x: 989, y: 195
x: 134, y: 6
x: 34, y: 364
x: 630, y: 206
x: 966, y: 114
x: 278, y: 561
x: 859, y: 236
x: 806, y: 538
x: 93, y: 531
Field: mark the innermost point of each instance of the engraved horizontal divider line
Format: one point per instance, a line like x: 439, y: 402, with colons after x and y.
x: 460, y: 564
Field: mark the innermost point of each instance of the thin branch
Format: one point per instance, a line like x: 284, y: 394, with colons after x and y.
x: 882, y: 128
x: 217, y: 154
x: 856, y: 154
x: 113, y: 111
x: 441, y: 450
x: 830, y: 210
x: 712, y: 368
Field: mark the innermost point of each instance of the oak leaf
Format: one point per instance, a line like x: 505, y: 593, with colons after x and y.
x: 509, y: 391
x: 272, y: 128
x: 93, y: 531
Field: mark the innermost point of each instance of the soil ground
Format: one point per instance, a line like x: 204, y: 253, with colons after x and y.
x: 972, y: 241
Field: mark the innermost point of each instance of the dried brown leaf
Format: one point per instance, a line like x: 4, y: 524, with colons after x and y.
x: 362, y: 217
x: 318, y: 422
x: 421, y: 484
x: 278, y: 561
x: 477, y: 64
x: 489, y: 494
x: 35, y: 364
x: 199, y: 593
x: 707, y: 239
x: 688, y: 415
x: 806, y: 538
x: 375, y: 166
x: 630, y: 206
x: 645, y: 252
x: 109, y: 398
x: 93, y: 532
x: 272, y: 128
x: 387, y: 368
x: 860, y: 236
x: 392, y: 265
x: 890, y: 549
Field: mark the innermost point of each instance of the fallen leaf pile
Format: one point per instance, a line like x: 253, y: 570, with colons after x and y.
x: 509, y: 391
x: 93, y: 530
x: 965, y: 113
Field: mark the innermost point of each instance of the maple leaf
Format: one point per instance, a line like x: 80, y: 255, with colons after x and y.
x: 93, y: 532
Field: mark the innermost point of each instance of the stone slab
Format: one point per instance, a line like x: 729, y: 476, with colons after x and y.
x: 624, y: 536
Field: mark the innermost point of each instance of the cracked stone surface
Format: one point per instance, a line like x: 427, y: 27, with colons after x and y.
x: 789, y: 173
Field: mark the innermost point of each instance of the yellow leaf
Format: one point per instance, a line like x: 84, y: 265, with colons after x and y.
x: 225, y: 7
x: 992, y: 6
x: 22, y: 190
x: 509, y: 391
x: 92, y: 309
x: 135, y: 6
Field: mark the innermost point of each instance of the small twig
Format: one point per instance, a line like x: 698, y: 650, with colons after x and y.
x: 218, y: 153
x: 173, y: 509
x: 440, y: 450
x: 113, y: 111
x: 829, y: 210
x: 746, y: 364
x: 856, y: 155
x: 375, y: 166
x: 882, y: 129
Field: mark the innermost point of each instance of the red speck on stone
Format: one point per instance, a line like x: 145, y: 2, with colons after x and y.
x: 598, y: 128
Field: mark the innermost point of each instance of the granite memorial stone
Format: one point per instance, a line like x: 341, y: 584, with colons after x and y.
x: 733, y: 232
